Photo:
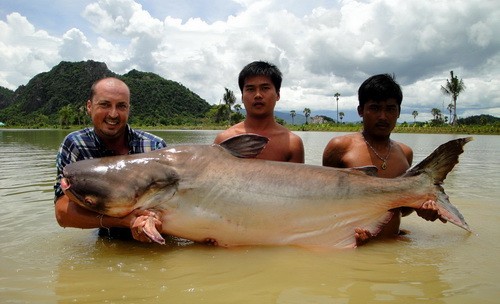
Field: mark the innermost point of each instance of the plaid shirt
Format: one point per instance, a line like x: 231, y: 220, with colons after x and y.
x: 84, y: 144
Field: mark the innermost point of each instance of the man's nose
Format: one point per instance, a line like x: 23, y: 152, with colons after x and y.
x: 258, y: 93
x: 113, y: 112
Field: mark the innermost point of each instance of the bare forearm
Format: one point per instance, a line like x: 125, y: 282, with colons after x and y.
x: 69, y: 214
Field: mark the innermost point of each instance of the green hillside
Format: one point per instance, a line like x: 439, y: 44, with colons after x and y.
x: 60, y: 93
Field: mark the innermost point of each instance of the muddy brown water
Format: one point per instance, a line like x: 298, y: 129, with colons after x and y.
x: 43, y: 263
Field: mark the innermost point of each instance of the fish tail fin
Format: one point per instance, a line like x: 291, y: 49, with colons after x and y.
x: 437, y: 166
x: 449, y: 212
x: 440, y: 162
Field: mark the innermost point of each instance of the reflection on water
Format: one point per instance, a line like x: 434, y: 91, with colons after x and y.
x: 43, y: 263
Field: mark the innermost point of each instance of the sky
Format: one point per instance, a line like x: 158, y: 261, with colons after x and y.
x: 322, y: 47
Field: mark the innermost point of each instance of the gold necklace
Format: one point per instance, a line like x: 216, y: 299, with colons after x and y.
x: 384, y: 160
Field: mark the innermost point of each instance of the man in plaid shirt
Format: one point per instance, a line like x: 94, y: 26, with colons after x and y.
x: 109, y: 108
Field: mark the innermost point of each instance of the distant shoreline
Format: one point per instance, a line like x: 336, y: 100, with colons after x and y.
x: 446, y: 129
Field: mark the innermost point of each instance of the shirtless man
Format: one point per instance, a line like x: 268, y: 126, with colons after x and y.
x: 260, y: 84
x: 379, y: 106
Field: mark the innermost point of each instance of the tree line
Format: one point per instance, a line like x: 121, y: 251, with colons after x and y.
x: 453, y: 88
x: 58, y: 98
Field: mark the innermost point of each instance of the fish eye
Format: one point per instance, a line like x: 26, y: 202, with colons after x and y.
x: 89, y: 202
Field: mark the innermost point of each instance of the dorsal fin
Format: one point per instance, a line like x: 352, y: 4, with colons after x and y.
x: 247, y: 145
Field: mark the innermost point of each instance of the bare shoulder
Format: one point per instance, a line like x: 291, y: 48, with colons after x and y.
x: 337, y: 147
x: 407, y: 151
x: 343, y: 142
x: 296, y: 147
x: 294, y: 138
x: 230, y: 132
x: 279, y: 133
x: 403, y: 146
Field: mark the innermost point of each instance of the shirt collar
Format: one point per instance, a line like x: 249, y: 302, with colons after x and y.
x: 102, y: 147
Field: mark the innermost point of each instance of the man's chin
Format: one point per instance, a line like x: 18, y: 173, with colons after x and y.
x: 112, y: 131
x: 383, y: 130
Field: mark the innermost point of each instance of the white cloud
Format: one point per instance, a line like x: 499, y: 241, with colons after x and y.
x: 321, y: 46
x: 75, y: 46
x: 25, y: 50
x: 480, y: 34
x: 111, y: 16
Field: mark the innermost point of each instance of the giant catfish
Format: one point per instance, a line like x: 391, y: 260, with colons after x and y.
x: 219, y: 194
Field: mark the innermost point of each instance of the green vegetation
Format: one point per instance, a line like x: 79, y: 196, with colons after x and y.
x: 157, y: 101
x: 5, y: 97
x: 426, y: 128
x: 56, y: 99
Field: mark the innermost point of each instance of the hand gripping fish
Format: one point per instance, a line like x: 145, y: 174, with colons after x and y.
x: 220, y: 194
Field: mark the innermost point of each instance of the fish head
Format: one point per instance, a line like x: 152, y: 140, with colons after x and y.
x: 92, y: 199
x: 116, y: 185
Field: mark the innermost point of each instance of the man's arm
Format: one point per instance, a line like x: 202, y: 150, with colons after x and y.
x: 297, y: 149
x: 69, y: 214
x: 334, y: 152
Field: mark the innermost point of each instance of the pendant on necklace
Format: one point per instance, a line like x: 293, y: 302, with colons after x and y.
x: 384, y: 160
x: 384, y: 166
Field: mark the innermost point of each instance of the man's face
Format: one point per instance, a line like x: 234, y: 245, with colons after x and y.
x: 380, y: 117
x: 259, y: 95
x: 110, y: 108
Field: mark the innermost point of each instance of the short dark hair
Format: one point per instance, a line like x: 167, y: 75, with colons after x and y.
x: 260, y: 68
x: 380, y: 87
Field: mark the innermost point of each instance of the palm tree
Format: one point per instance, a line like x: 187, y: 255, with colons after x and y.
x: 341, y: 115
x: 453, y: 88
x: 337, y: 95
x: 415, y: 114
x: 450, y: 109
x: 293, y: 114
x: 436, y: 113
x: 237, y: 107
x: 229, y: 99
x: 307, y: 112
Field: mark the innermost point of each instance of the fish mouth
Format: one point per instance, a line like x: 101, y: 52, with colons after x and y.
x: 66, y: 187
x: 74, y: 197
x: 91, y: 201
